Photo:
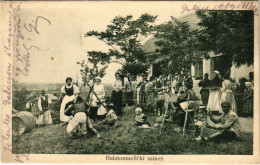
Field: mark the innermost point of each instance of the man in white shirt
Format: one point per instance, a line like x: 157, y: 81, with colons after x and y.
x: 44, y: 111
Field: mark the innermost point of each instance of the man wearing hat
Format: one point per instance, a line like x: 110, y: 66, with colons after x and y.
x: 227, y: 125
x: 44, y: 114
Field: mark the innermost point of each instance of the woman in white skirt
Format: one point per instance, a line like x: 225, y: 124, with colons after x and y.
x: 96, y: 96
x: 70, y: 93
x: 228, y: 94
x: 215, y: 93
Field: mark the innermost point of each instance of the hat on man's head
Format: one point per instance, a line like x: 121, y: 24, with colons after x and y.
x: 248, y: 84
x: 42, y: 91
x: 225, y: 104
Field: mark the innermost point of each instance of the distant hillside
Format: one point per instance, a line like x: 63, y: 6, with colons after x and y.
x: 39, y: 86
x: 50, y: 86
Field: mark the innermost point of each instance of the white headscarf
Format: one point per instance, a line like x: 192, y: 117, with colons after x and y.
x: 217, y: 72
x: 98, y: 78
x: 249, y: 85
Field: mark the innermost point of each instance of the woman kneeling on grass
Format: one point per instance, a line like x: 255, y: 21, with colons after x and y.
x: 80, y: 120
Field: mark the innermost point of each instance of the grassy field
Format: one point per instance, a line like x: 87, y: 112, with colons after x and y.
x: 125, y: 139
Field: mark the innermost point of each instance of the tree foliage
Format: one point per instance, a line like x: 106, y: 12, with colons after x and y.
x: 124, y: 36
x: 21, y: 97
x: 91, y: 69
x: 230, y: 33
x: 177, y: 42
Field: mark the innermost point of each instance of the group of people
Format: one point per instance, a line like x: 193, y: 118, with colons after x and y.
x: 216, y: 94
x: 79, y: 114
x: 220, y: 94
x: 225, y: 89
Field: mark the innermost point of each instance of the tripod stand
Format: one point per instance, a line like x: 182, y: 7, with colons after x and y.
x: 88, y: 100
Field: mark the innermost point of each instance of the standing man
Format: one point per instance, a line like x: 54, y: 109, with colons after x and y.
x: 204, y: 84
x: 44, y: 117
x: 142, y: 93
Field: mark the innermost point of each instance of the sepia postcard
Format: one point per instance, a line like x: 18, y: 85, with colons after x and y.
x: 137, y: 82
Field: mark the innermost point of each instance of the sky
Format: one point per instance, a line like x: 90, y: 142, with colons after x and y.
x: 62, y: 43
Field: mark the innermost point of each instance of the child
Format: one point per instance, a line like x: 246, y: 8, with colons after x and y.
x: 140, y: 118
x: 79, y: 113
x: 111, y: 118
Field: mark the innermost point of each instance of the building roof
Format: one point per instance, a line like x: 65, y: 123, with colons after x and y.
x: 192, y: 20
x: 149, y: 46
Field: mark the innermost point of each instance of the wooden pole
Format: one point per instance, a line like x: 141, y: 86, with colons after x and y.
x: 186, y: 115
x: 166, y: 110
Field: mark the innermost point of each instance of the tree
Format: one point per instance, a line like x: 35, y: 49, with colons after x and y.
x: 90, y: 69
x: 20, y: 98
x: 228, y: 33
x: 177, y: 41
x: 124, y: 36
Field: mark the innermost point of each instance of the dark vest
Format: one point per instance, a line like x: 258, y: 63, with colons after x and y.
x: 44, y: 103
x: 216, y: 82
x: 142, y: 89
x: 69, y: 91
x: 80, y: 107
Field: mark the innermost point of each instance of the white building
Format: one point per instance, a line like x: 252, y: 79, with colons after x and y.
x: 204, y: 65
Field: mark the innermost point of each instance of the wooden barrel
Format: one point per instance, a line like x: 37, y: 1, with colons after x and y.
x: 128, y: 97
x: 22, y: 122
